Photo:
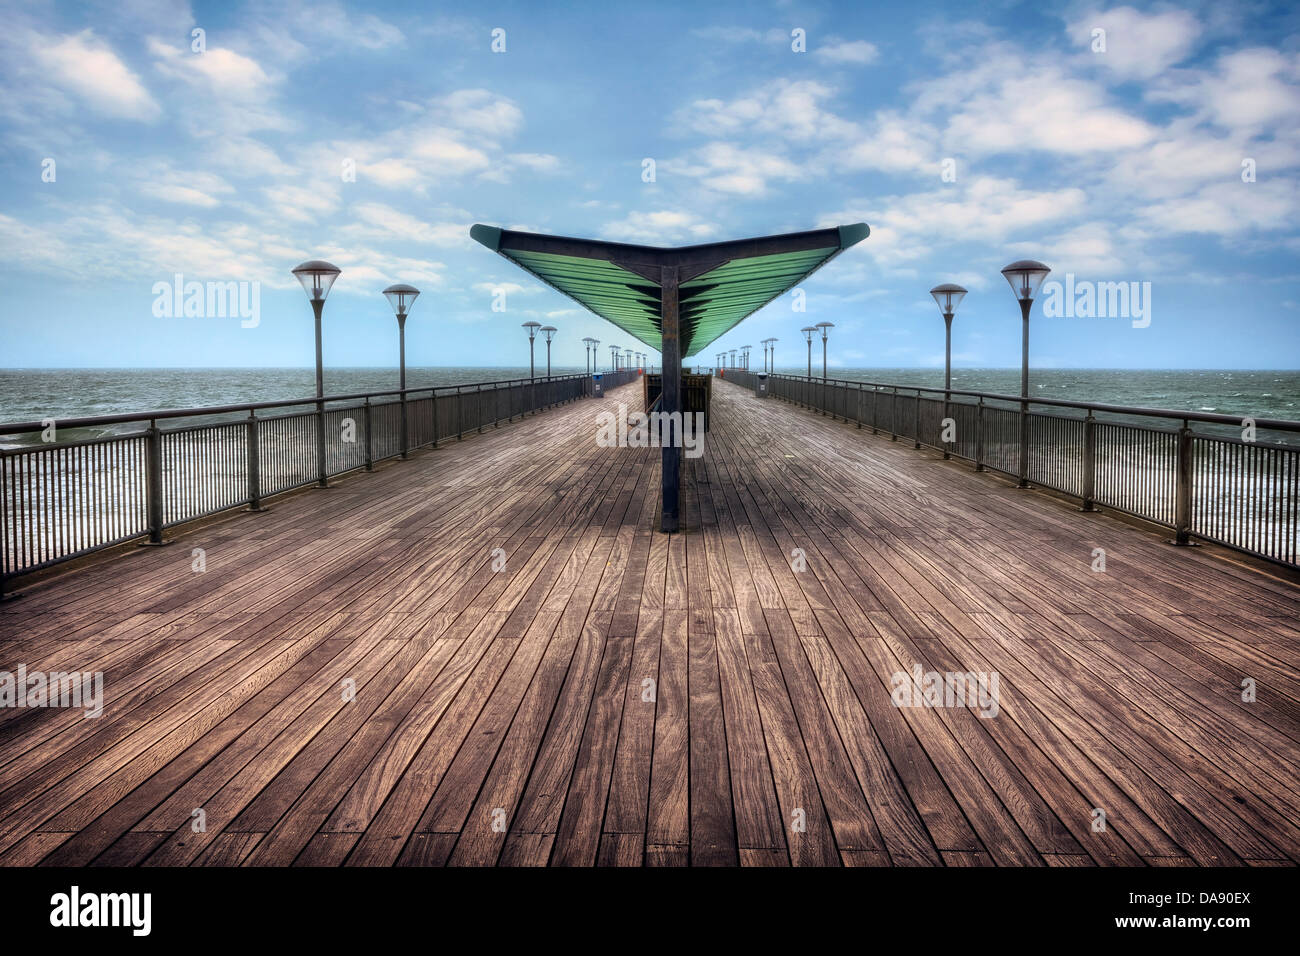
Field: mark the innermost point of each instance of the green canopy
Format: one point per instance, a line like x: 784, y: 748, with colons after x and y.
x: 721, y: 283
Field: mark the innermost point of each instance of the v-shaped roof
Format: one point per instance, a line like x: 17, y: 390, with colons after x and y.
x: 720, y: 283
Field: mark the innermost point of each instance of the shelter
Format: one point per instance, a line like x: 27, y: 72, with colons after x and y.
x: 676, y: 300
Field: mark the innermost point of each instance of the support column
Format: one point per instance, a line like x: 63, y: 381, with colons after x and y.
x: 672, y: 396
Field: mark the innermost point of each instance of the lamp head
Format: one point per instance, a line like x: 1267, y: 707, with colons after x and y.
x: 1025, y: 276
x: 948, y: 296
x: 317, y: 277
x: 400, y: 297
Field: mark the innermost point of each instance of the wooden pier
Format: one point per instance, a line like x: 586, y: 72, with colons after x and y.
x: 488, y: 654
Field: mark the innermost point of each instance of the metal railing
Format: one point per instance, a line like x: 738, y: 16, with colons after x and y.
x: 81, y: 491
x: 1211, y: 483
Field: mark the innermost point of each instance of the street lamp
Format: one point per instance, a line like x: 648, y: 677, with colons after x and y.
x: 627, y: 356
x: 549, y: 331
x: 317, y: 277
x: 400, y: 297
x: 587, y: 343
x: 808, y: 331
x: 613, y: 358
x: 1025, y: 276
x: 745, y: 355
x: 532, y: 328
x: 948, y: 296
x: 825, y: 327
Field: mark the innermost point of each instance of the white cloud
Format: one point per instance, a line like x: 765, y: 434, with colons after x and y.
x: 220, y: 72
x: 859, y: 52
x: 1040, y: 108
x: 1227, y: 209
x: 658, y: 228
x: 376, y: 220
x: 1138, y: 45
x: 87, y: 67
x: 1246, y: 92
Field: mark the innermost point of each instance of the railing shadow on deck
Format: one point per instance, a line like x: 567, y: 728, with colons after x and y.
x: 1207, y: 484
x: 75, y: 486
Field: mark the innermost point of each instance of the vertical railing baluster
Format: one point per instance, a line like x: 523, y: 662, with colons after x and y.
x: 979, y: 434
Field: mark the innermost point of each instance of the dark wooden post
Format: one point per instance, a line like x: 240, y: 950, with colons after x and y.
x: 1183, y: 488
x: 671, y: 402
x: 370, y: 454
x: 1089, y: 462
x: 254, y: 463
x: 153, y: 482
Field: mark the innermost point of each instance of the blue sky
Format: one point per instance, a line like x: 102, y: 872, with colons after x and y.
x: 227, y: 165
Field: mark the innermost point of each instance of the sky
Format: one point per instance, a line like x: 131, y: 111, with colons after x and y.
x: 1155, y: 145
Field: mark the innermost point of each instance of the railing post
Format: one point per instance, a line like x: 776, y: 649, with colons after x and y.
x: 859, y: 414
x: 478, y: 404
x: 979, y: 434
x: 875, y: 409
x: 370, y: 449
x: 1183, y: 488
x: 405, y: 431
x: 947, y: 414
x: 916, y: 437
x: 321, y: 476
x: 1024, y: 446
x: 433, y: 414
x: 253, y: 454
x: 893, y: 416
x: 1089, y: 462
x: 153, y: 482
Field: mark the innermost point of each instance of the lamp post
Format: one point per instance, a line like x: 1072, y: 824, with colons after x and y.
x: 825, y: 327
x: 400, y: 297
x: 548, y: 331
x: 808, y: 331
x: 744, y: 356
x: 1025, y: 276
x: 317, y: 277
x: 627, y: 357
x: 532, y: 328
x: 587, y: 343
x: 613, y: 358
x: 948, y: 296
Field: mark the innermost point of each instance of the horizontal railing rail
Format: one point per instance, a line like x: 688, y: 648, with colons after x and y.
x: 1228, y: 482
x: 64, y: 494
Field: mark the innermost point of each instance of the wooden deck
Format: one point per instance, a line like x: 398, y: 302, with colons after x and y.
x: 613, y: 695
